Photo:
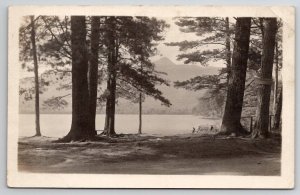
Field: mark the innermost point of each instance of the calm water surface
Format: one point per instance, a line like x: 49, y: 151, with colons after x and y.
x: 58, y: 125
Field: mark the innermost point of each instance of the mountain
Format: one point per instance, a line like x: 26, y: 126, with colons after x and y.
x: 182, y: 72
x: 183, y: 101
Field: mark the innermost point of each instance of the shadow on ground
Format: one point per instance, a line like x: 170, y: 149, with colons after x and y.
x: 133, y: 154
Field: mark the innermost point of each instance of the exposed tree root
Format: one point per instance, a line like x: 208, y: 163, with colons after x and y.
x: 105, y: 132
x: 234, y: 131
x: 75, y: 138
x: 69, y: 138
x: 257, y: 135
x: 37, y: 135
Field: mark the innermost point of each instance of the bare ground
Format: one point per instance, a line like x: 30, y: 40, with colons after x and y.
x: 134, y: 154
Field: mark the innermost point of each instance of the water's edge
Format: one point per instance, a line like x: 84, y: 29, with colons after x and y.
x: 53, y: 125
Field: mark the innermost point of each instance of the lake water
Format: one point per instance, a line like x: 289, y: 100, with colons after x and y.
x: 53, y: 125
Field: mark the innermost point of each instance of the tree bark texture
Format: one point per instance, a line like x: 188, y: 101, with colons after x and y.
x: 107, y: 109
x: 265, y: 80
x: 112, y: 74
x: 36, y: 78
x: 277, y: 117
x: 93, y: 69
x: 236, y: 83
x: 80, y: 128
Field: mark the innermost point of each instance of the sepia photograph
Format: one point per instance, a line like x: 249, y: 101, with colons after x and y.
x: 155, y: 97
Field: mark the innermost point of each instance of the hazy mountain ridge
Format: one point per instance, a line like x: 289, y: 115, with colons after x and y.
x: 183, y: 101
x: 183, y: 72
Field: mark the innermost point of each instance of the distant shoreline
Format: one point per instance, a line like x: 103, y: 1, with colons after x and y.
x: 203, y: 117
x: 118, y: 113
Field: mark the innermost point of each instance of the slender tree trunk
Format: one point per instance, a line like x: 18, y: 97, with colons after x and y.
x: 236, y: 83
x: 265, y: 82
x: 228, y: 56
x: 107, y: 108
x: 277, y: 117
x: 140, y: 113
x: 140, y: 101
x: 228, y: 51
x: 93, y: 70
x: 276, y: 79
x: 36, y: 80
x: 111, y: 130
x: 109, y: 121
x: 80, y: 128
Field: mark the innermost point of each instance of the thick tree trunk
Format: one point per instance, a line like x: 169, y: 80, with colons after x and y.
x: 93, y: 70
x: 236, y: 83
x: 109, y: 110
x: 277, y: 117
x: 109, y: 128
x: 140, y: 114
x: 80, y: 128
x: 265, y: 82
x: 36, y: 79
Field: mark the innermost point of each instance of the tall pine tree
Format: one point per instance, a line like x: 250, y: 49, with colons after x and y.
x: 265, y: 80
x: 80, y: 127
x: 93, y: 69
x: 236, y: 83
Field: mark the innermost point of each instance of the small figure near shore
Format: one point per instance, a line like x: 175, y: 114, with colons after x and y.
x: 194, y: 130
x: 199, y: 129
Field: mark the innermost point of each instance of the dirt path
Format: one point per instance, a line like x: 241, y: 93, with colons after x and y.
x: 132, y: 154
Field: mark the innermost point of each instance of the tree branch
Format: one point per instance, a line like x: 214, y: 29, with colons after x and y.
x: 62, y: 44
